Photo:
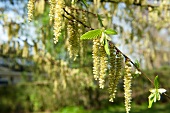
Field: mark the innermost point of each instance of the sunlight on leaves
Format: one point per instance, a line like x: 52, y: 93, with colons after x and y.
x: 93, y: 34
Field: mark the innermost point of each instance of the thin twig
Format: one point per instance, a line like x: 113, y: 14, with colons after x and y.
x: 72, y: 8
x: 77, y: 19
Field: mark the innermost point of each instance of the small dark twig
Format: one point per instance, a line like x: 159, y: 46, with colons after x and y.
x: 77, y: 19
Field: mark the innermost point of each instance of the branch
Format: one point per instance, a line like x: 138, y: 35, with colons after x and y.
x: 76, y: 19
x: 110, y: 42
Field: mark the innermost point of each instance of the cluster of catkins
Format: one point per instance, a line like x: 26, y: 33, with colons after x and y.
x: 115, y: 67
x: 74, y: 29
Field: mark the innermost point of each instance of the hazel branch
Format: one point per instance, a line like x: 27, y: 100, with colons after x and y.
x: 110, y: 43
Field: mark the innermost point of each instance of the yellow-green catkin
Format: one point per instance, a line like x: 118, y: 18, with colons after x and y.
x: 72, y: 40
x: 96, y: 58
x: 112, y: 74
x: 58, y: 12
x: 127, y: 85
x: 81, y: 31
x: 117, y: 75
x: 103, y: 65
x: 30, y: 7
x: 73, y: 37
x: 52, y: 7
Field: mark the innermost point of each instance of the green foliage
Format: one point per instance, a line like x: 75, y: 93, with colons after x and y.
x: 102, y: 34
x: 155, y: 93
x: 93, y: 34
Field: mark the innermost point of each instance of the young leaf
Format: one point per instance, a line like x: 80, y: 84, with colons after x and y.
x: 151, y: 99
x: 110, y: 32
x: 106, y: 47
x: 137, y: 64
x: 91, y: 34
x: 156, y: 83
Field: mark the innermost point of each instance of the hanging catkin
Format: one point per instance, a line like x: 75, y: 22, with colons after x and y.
x: 30, y: 7
x: 103, y: 66
x: 112, y: 74
x: 58, y: 12
x: 96, y: 60
x: 127, y: 85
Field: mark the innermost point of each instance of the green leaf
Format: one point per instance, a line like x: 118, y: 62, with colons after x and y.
x: 158, y: 96
x: 151, y: 99
x: 156, y: 83
x: 100, y: 20
x: 137, y: 64
x: 91, y: 34
x: 110, y: 32
x: 106, y: 47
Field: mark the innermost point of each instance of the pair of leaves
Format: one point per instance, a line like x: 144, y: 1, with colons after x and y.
x: 93, y: 34
x: 155, y: 93
x: 102, y: 34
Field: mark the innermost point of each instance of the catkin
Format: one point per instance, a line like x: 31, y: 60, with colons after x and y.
x: 30, y: 7
x: 103, y: 66
x: 72, y: 40
x: 96, y: 60
x: 58, y: 12
x: 127, y: 85
x: 52, y: 7
x: 73, y: 37
x: 112, y: 74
